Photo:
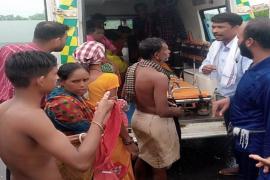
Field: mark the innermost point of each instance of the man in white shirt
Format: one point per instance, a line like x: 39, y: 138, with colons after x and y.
x: 224, y: 62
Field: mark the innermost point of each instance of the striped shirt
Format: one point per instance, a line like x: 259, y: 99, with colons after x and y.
x: 6, y: 88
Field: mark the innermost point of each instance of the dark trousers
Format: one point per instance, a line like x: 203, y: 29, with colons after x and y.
x: 247, y: 166
x: 7, y: 174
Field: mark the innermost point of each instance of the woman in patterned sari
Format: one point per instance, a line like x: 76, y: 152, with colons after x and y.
x: 66, y: 105
x: 69, y: 112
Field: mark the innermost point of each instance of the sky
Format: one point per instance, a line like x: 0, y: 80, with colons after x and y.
x: 23, y: 8
x: 29, y: 7
x: 254, y: 2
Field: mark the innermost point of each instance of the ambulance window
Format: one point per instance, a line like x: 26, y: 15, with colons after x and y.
x: 206, y: 15
x: 18, y: 19
x: 222, y: 10
x: 114, y: 23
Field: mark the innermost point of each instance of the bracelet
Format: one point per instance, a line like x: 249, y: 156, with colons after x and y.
x: 99, y: 125
x: 80, y: 137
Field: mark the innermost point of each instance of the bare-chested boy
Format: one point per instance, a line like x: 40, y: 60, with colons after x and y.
x: 152, y: 121
x: 29, y: 143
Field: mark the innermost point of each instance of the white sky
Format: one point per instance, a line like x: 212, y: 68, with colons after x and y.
x: 29, y: 7
x: 254, y: 2
x: 21, y: 7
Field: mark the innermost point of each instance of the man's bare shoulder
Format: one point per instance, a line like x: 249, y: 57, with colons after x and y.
x: 158, y: 77
x: 23, y: 116
x: 152, y: 73
x: 4, y: 106
x: 35, y: 116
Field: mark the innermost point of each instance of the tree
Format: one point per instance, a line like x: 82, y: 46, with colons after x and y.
x: 38, y: 16
x: 11, y: 17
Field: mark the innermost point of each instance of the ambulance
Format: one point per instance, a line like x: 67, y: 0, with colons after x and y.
x: 188, y: 55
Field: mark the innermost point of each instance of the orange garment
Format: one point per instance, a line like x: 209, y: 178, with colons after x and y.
x: 105, y: 168
x: 120, y: 154
x: 97, y: 88
x: 120, y: 157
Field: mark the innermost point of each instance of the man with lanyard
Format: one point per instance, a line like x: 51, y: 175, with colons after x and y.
x: 224, y: 63
x: 249, y: 107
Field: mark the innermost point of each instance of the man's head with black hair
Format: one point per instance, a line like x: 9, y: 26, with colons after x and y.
x: 32, y: 68
x: 51, y: 33
x: 90, y: 26
x: 48, y: 30
x: 225, y: 26
x: 154, y: 49
x: 98, y: 20
x: 254, y: 37
x: 259, y: 31
x: 96, y: 32
x: 230, y: 18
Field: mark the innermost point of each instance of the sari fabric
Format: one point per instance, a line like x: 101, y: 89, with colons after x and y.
x: 105, y: 168
x: 68, y: 112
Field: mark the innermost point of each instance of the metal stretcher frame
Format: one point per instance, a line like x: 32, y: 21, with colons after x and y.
x: 197, y: 126
x: 191, y: 100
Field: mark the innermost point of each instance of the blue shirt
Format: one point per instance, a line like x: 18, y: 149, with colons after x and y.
x: 242, y: 64
x: 250, y: 108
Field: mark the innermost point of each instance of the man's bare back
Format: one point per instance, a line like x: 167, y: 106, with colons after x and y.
x: 24, y: 157
x: 151, y: 89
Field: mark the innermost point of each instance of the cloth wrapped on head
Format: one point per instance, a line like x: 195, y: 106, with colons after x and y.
x: 91, y: 52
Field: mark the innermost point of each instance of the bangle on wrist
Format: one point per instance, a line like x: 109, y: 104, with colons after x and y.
x: 99, y: 125
x: 81, y: 136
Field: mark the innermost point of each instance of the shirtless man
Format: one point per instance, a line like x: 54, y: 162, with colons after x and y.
x: 29, y: 143
x: 152, y: 120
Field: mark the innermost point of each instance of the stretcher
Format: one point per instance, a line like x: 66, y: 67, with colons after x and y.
x: 189, y: 97
x: 196, y: 121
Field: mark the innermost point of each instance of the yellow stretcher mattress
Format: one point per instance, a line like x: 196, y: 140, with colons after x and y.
x: 186, y: 90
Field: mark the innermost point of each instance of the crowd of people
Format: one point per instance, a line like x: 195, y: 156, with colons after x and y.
x: 43, y: 107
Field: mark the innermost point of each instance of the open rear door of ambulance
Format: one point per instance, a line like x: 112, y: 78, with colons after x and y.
x: 250, y: 9
x: 68, y: 12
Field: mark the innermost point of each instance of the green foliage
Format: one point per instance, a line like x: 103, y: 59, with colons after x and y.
x: 11, y: 17
x: 40, y: 16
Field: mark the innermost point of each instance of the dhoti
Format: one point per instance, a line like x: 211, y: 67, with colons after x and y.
x: 157, y: 139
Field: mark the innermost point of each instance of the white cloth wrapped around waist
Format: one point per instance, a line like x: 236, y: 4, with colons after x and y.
x: 244, y: 135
